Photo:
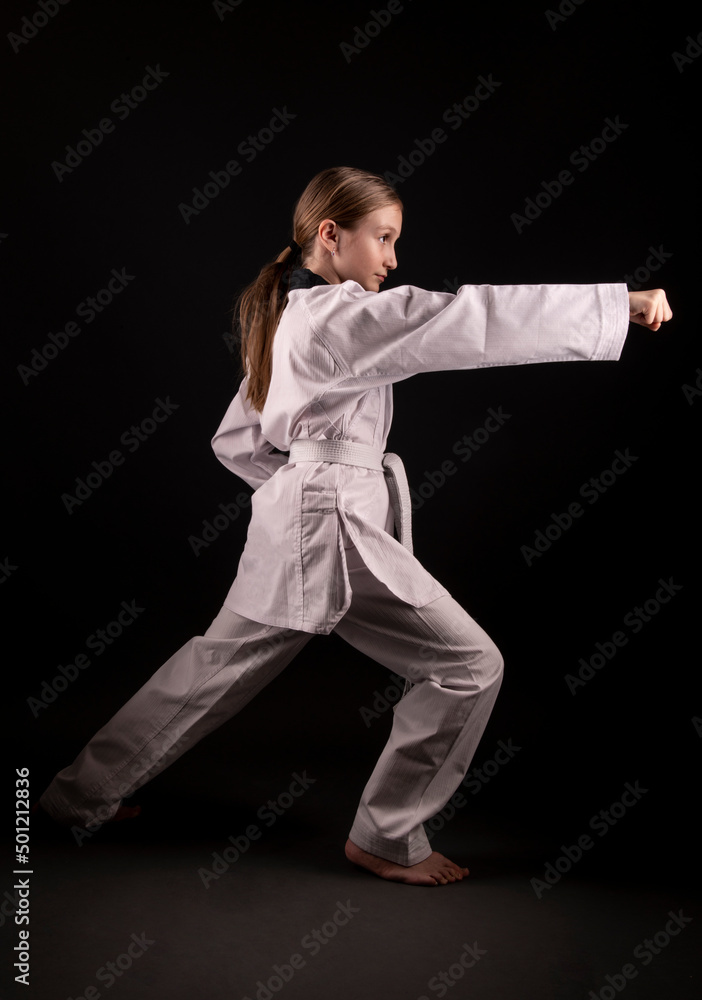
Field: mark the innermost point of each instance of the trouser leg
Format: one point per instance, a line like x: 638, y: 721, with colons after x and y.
x: 203, y: 684
x: 456, y: 671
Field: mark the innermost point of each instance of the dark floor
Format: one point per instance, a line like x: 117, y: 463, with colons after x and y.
x: 291, y: 916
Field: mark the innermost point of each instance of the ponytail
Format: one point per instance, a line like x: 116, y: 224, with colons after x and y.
x: 256, y: 318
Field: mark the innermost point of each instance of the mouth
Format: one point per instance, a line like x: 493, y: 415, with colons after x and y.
x: 381, y: 276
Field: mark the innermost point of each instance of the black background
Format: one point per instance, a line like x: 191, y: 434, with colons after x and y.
x: 163, y: 337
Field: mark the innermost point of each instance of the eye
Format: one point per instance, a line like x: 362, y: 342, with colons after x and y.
x: 385, y: 236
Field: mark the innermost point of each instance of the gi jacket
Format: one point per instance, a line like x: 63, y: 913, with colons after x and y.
x: 337, y: 351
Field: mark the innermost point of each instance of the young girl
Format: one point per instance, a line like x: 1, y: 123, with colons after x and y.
x: 307, y: 429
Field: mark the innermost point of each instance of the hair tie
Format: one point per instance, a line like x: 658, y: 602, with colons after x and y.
x: 295, y: 247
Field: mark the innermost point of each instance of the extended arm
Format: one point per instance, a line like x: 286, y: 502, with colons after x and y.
x: 407, y: 330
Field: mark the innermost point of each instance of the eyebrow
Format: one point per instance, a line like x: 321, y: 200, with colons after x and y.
x: 390, y: 228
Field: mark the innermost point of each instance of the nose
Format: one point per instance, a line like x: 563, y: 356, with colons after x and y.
x: 390, y: 259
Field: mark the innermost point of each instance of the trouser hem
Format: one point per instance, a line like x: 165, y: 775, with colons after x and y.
x: 62, y: 812
x: 397, y: 851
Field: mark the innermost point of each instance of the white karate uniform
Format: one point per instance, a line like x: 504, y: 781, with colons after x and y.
x: 337, y: 351
x: 320, y: 554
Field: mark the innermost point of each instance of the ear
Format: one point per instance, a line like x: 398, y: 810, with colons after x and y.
x: 328, y: 233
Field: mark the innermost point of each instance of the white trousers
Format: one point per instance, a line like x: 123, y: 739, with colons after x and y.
x: 454, y: 667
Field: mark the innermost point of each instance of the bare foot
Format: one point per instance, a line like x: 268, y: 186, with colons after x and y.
x: 434, y: 870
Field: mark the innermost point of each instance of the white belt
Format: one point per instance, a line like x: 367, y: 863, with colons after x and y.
x: 353, y: 453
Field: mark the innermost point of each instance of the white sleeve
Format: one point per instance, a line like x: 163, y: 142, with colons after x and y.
x: 240, y: 445
x: 394, y: 334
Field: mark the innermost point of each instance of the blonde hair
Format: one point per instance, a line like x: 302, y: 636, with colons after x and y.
x: 344, y: 194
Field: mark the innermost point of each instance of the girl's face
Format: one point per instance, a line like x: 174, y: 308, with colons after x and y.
x: 366, y: 254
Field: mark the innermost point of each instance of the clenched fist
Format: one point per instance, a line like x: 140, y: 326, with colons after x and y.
x: 649, y: 308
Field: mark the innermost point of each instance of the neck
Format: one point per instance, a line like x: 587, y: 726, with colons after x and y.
x: 323, y: 267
